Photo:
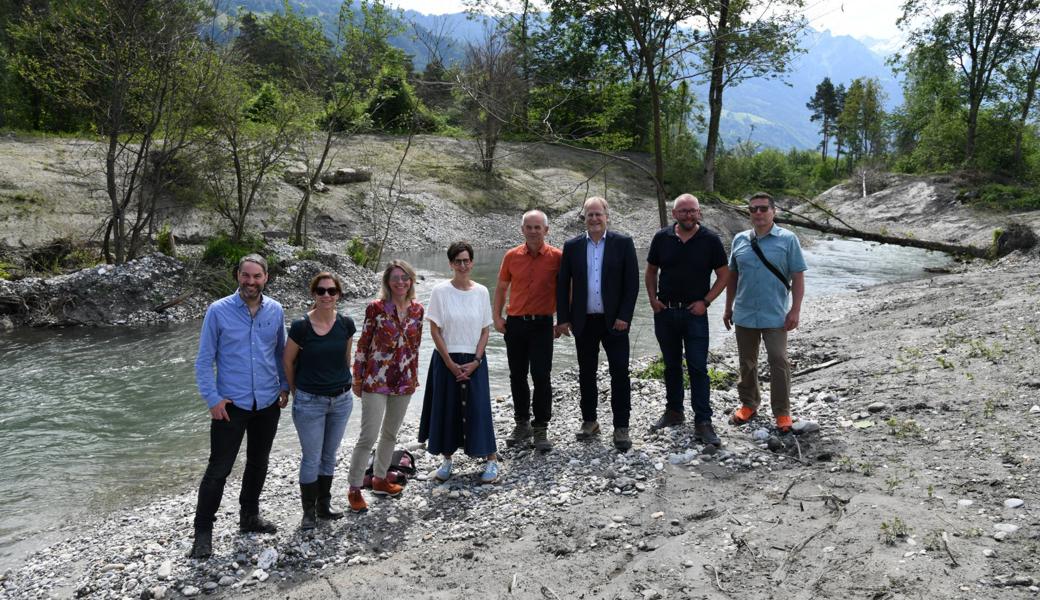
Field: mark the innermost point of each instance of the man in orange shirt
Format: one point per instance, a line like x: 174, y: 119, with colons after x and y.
x: 528, y: 276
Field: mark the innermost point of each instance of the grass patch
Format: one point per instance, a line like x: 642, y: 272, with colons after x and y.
x: 998, y: 196
x: 719, y: 379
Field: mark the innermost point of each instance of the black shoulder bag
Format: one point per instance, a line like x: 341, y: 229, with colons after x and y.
x: 772, y: 268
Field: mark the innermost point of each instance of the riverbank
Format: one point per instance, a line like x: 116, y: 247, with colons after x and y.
x: 927, y: 437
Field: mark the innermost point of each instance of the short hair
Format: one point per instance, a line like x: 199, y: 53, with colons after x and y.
x: 326, y: 275
x: 684, y: 197
x: 535, y: 211
x: 457, y: 248
x: 408, y: 270
x: 253, y: 258
x: 760, y: 196
x: 602, y: 201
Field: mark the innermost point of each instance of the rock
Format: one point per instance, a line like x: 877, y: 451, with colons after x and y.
x: 651, y: 594
x: 226, y: 580
x: 876, y: 407
x: 158, y: 592
x: 965, y: 503
x: 1034, y: 410
x: 190, y: 590
x: 1000, y: 536
x: 802, y: 427
x: 774, y: 443
x: 209, y: 586
x: 267, y: 559
x: 657, y: 515
x: 346, y: 175
x: 826, y: 397
x: 164, y: 570
x: 113, y: 567
x: 989, y: 552
x: 1014, y: 503
x: 393, y: 520
x: 760, y: 435
x: 260, y: 575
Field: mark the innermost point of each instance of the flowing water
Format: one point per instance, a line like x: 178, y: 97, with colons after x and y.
x: 94, y: 419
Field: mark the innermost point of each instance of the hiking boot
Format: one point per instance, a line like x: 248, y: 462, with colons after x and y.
x: 255, y: 524
x: 382, y: 487
x: 670, y: 418
x: 490, y: 474
x: 356, y: 501
x: 705, y: 434
x: 621, y: 440
x: 202, y: 547
x: 324, y: 503
x: 309, y: 499
x: 784, y: 424
x: 741, y: 415
x: 443, y: 472
x: 521, y: 433
x: 588, y: 430
x: 541, y: 439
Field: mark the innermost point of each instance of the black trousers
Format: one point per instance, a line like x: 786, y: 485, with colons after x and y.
x: 529, y: 348
x: 596, y: 333
x: 225, y: 439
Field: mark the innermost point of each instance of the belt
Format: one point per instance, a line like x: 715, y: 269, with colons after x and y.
x: 333, y: 393
x: 532, y: 317
x: 681, y: 305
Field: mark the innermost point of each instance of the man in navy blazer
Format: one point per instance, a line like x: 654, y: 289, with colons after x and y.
x: 595, y: 297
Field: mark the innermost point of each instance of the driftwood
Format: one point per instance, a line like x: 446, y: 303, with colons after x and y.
x: 799, y: 220
x: 819, y: 367
x: 174, y: 302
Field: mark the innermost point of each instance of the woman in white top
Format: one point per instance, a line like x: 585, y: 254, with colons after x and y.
x: 457, y: 405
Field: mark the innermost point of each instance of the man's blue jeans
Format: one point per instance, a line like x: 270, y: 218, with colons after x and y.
x: 320, y: 422
x: 677, y: 329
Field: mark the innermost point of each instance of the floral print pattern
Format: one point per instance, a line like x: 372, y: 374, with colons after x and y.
x: 387, y: 356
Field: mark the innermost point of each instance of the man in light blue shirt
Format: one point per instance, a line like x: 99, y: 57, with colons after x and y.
x: 758, y: 302
x: 243, y: 338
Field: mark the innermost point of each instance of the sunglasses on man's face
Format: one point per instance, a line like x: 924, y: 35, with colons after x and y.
x: 321, y: 291
x: 761, y: 209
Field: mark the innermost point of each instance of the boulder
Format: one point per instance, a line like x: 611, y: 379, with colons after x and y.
x: 346, y: 175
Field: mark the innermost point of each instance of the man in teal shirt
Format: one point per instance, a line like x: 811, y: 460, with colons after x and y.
x: 764, y: 301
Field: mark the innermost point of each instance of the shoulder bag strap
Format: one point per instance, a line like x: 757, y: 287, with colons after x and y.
x: 772, y: 268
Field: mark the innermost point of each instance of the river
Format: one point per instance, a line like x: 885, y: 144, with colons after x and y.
x: 93, y: 419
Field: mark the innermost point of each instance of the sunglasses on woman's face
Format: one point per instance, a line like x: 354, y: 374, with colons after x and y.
x: 321, y: 291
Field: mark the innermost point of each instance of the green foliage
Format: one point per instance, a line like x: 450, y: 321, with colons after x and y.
x: 306, y: 254
x: 904, y: 429
x: 285, y: 46
x: 6, y: 270
x: 1002, y: 197
x: 719, y: 379
x: 224, y: 252
x: 361, y: 253
x: 165, y: 241
x: 393, y: 105
x: 893, y: 531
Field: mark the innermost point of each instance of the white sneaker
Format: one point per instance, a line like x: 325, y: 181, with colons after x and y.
x: 443, y: 472
x: 490, y: 474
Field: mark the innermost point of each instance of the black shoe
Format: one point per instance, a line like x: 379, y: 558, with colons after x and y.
x: 325, y: 499
x: 670, y: 418
x: 309, y: 499
x: 705, y: 434
x: 202, y: 547
x: 521, y: 433
x: 255, y: 524
x: 621, y: 439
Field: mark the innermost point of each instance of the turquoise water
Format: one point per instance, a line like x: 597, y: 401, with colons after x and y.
x: 93, y: 419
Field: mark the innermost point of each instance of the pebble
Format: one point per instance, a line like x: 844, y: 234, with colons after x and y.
x: 965, y: 503
x: 113, y: 567
x: 804, y: 426
x: 1034, y: 410
x: 617, y: 519
x: 1014, y: 503
x: 651, y: 594
x: 760, y: 435
x: 267, y: 559
x: 164, y: 571
x: 226, y: 580
x: 209, y: 586
x: 826, y: 397
x: 876, y: 407
x: 657, y: 515
x: 393, y: 520
x: 158, y: 592
x: 1006, y: 527
x: 260, y: 575
x: 190, y: 590
x: 989, y: 552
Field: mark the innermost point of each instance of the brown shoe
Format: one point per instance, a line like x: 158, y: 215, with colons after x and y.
x: 705, y: 434
x: 588, y: 429
x: 541, y: 439
x: 670, y: 418
x: 356, y: 501
x: 521, y: 433
x: 382, y: 487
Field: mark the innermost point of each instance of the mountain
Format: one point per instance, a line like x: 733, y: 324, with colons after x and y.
x: 771, y: 112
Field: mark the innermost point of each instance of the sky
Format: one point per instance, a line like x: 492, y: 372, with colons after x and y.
x: 860, y: 19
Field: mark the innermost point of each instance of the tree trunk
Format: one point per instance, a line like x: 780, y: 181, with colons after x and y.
x: 655, y: 107
x: 113, y: 195
x: 715, y: 88
x: 1026, y: 106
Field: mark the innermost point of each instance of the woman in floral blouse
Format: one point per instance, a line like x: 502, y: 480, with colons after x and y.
x: 386, y: 368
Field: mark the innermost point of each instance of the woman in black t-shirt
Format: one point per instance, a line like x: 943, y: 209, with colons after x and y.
x: 317, y: 364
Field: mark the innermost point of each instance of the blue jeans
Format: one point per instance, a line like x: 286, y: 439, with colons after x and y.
x: 676, y: 328
x: 320, y: 422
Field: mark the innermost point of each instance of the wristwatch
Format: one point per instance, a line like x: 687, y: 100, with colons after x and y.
x: 706, y: 302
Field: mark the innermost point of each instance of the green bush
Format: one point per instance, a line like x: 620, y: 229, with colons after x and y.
x: 996, y: 196
x: 5, y: 271
x: 165, y: 241
x: 361, y: 253
x: 719, y: 379
x: 223, y: 251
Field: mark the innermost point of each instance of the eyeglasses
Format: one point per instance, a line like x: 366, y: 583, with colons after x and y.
x: 761, y: 209
x: 687, y: 211
x: 400, y: 279
x: 321, y: 291
x: 461, y: 261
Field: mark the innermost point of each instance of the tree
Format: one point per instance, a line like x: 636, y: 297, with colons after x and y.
x: 285, y: 45
x: 120, y: 62
x: 861, y: 120
x: 494, y: 91
x: 824, y: 107
x: 748, y: 39
x: 979, y: 37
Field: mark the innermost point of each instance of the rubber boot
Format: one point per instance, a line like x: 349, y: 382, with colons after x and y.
x: 309, y: 499
x: 325, y: 499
